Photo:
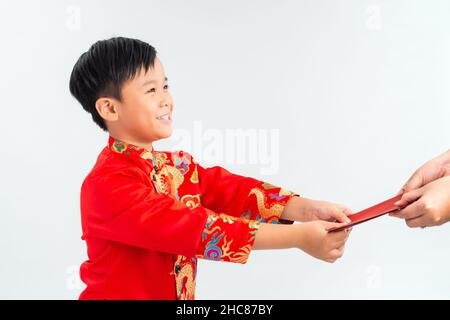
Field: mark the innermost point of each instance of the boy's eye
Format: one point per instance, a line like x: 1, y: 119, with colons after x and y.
x: 166, y: 87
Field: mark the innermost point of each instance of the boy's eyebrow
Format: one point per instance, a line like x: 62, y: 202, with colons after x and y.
x: 152, y: 81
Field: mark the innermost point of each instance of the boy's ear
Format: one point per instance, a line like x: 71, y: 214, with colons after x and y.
x: 107, y: 108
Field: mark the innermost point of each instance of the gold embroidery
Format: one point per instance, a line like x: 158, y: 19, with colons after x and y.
x: 275, y: 210
x: 119, y: 147
x: 284, y: 192
x: 146, y: 155
x: 184, y: 279
x: 227, y: 218
x: 161, y: 159
x: 177, y: 177
x: 254, y: 224
x: 240, y: 256
x: 194, y: 176
x: 169, y: 178
x: 216, y: 228
x: 191, y: 201
x: 162, y: 182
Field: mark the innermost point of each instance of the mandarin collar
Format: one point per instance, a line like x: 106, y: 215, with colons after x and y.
x: 133, y: 151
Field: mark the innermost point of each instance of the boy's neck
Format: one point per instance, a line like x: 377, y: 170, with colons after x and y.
x: 146, y: 145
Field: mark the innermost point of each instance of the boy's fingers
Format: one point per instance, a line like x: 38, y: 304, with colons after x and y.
x: 337, y: 253
x: 340, y: 243
x: 338, y: 236
x: 330, y: 225
x: 347, y: 211
x: 342, y: 240
x: 342, y: 215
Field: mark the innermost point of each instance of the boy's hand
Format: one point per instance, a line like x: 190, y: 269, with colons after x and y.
x: 304, y: 210
x: 315, y: 240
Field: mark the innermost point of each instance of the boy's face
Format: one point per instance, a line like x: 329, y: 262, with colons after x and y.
x: 145, y: 113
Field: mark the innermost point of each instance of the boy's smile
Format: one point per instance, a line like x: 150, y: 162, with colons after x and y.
x: 166, y: 118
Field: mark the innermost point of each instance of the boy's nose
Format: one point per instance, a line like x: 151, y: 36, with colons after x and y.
x: 167, y: 104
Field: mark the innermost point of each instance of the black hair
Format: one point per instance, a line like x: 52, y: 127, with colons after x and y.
x: 105, y: 67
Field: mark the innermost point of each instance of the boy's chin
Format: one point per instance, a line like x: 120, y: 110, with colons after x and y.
x: 165, y: 134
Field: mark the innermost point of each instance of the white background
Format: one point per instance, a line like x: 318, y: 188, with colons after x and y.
x: 357, y: 90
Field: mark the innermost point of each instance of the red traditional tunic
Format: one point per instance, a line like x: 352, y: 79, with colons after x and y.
x: 147, y: 216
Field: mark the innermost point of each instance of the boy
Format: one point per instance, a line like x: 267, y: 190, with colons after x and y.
x: 147, y: 216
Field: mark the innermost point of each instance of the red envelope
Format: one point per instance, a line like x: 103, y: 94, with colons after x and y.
x: 370, y: 213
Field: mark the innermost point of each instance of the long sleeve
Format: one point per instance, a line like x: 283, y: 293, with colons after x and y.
x: 121, y: 207
x: 227, y: 238
x: 242, y: 197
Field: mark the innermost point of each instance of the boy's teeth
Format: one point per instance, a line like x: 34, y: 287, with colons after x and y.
x: 164, y: 117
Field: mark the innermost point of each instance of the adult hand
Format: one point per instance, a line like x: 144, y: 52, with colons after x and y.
x: 434, y: 169
x: 426, y: 206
